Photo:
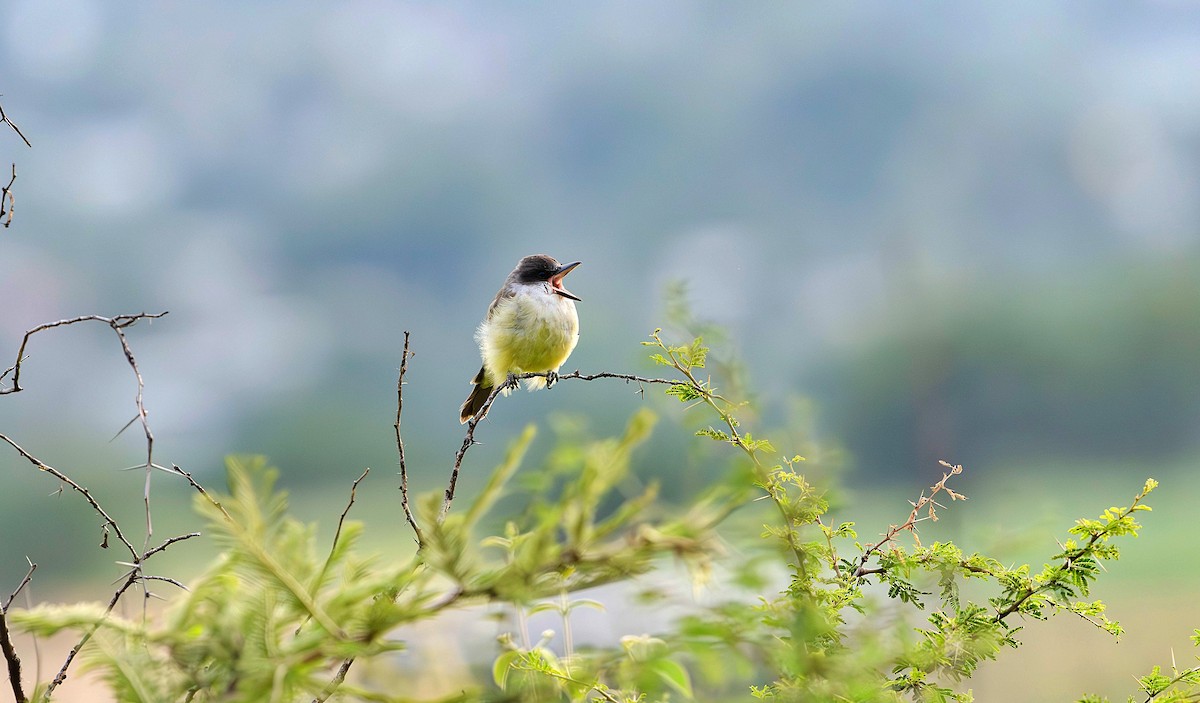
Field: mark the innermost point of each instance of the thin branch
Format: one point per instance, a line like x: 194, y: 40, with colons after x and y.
x: 5, y: 120
x: 24, y: 582
x: 923, y: 502
x: 337, y: 534
x: 6, y: 645
x: 168, y: 543
x: 350, y: 503
x: 708, y: 396
x: 109, y: 523
x: 1066, y: 563
x: 336, y: 682
x: 118, y: 324
x: 14, y: 662
x: 408, y: 515
x: 8, y: 201
x: 167, y: 579
x: 1180, y: 676
x: 133, y: 577
x: 469, y: 438
x: 345, y: 667
x: 200, y: 489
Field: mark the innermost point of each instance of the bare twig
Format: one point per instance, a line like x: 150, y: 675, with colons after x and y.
x: 200, y: 489
x: 168, y: 543
x: 337, y: 534
x: 5, y: 120
x: 923, y: 502
x: 167, y: 579
x: 336, y: 682
x: 118, y: 325
x: 131, y: 578
x: 22, y: 585
x: 109, y: 523
x: 134, y: 576
x: 6, y: 645
x: 350, y: 503
x: 8, y: 201
x: 408, y: 515
x: 469, y: 438
x: 14, y: 662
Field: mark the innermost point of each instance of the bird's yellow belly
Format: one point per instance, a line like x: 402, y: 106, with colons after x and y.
x: 528, y: 337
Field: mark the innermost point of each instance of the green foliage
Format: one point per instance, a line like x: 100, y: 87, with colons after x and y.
x: 276, y: 618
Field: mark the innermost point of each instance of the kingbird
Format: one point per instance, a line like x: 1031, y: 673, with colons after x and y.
x: 531, y: 327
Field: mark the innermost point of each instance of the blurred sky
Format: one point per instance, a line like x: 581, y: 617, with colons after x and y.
x: 968, y: 231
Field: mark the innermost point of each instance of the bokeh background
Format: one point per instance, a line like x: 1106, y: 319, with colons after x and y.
x: 959, y: 231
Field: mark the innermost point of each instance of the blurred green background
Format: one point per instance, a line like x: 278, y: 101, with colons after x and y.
x: 962, y: 232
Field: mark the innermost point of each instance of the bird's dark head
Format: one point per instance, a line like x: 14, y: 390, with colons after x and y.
x: 540, y: 268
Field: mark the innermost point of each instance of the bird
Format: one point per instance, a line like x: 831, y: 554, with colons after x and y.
x: 531, y: 327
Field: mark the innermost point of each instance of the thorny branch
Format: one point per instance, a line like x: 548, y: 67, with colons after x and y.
x: 469, y: 439
x: 14, y: 661
x: 337, y: 534
x: 5, y: 120
x: 110, y: 525
x: 408, y: 515
x: 7, y: 200
x: 6, y: 645
x: 200, y: 489
x: 20, y: 586
x: 337, y: 681
x: 133, y: 577
x: 118, y: 325
x: 135, y: 574
x: 924, y: 502
x: 1069, y: 557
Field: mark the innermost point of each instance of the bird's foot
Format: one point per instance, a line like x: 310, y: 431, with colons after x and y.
x: 511, y: 382
x: 551, y: 378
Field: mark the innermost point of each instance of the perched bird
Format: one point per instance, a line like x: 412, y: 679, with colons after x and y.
x: 531, y: 327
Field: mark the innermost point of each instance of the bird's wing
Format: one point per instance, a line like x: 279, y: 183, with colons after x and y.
x: 505, y: 293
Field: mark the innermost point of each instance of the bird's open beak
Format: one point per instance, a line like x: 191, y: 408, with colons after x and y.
x: 559, y: 275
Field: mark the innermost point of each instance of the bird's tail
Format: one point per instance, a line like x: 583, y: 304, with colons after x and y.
x: 479, y: 395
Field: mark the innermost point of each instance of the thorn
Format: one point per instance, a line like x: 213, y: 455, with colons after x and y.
x: 127, y: 425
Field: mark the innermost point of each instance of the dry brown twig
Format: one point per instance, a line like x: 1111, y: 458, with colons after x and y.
x: 135, y: 574
x: 4, y: 119
x: 923, y: 503
x: 469, y: 439
x: 6, y: 645
x: 408, y: 514
x: 7, y: 200
x: 118, y: 324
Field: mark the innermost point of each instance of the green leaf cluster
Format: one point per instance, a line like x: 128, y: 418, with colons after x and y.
x: 821, y: 614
